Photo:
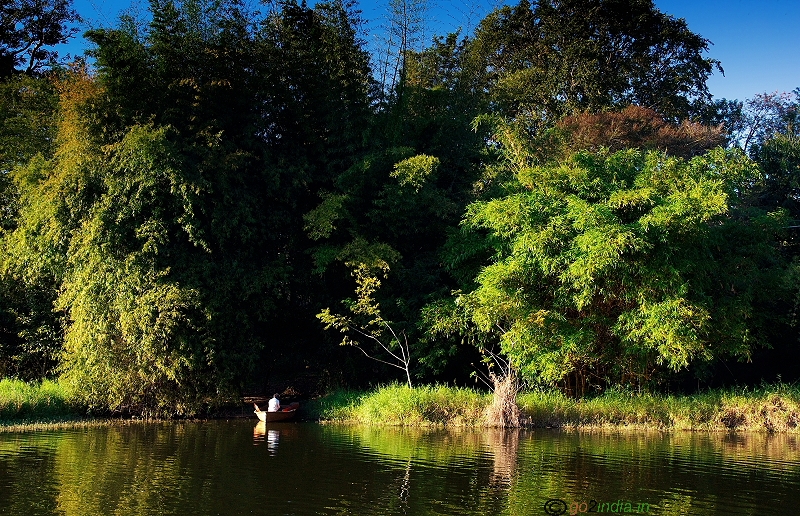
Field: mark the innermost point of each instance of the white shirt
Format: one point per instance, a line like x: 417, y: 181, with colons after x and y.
x: 274, y: 405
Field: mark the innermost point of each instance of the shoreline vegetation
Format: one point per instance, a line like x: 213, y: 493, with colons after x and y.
x: 771, y: 408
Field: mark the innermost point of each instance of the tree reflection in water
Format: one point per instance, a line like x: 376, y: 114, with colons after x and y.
x: 227, y: 468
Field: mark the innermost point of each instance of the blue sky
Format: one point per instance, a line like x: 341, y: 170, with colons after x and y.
x: 758, y: 42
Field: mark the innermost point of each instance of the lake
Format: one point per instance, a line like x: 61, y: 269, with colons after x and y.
x: 240, y: 467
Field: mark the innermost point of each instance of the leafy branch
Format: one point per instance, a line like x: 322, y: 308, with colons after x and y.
x: 396, y: 352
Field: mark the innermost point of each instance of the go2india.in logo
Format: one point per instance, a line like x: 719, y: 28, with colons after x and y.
x: 557, y: 507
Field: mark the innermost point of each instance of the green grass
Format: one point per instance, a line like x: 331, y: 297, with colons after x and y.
x: 770, y: 408
x: 46, y: 400
x: 397, y: 404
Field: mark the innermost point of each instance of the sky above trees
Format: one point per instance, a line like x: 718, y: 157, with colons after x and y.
x: 756, y: 42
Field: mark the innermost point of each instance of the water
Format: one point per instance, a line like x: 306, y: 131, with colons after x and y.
x: 238, y: 467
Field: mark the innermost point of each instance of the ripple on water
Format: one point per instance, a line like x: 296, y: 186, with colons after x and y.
x: 238, y: 467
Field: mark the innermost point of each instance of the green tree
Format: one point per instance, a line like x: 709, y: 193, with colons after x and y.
x: 779, y: 158
x: 366, y: 329
x: 548, y: 59
x: 616, y: 268
x: 169, y: 217
x: 35, y: 215
x: 408, y: 189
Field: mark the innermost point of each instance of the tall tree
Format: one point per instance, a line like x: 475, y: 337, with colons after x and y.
x: 552, y: 58
x: 398, y: 203
x: 183, y: 168
x: 754, y: 121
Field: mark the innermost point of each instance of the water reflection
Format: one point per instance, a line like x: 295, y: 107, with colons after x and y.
x: 269, y: 435
x: 238, y: 468
x: 504, y: 447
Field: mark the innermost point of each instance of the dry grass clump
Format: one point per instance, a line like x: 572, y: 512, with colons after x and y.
x: 770, y: 410
x: 504, y: 411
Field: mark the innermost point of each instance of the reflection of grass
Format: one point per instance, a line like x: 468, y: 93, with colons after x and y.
x: 27, y: 401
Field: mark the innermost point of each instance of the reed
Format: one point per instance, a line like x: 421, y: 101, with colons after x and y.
x: 336, y: 406
x: 504, y: 411
x: 40, y: 400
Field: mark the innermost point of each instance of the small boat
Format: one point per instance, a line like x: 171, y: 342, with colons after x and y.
x: 284, y: 414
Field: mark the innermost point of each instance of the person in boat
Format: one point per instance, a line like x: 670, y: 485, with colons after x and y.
x: 274, y: 404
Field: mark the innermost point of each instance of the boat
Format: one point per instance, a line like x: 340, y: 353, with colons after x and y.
x: 284, y: 414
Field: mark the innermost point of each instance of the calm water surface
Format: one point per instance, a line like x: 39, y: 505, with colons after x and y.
x: 238, y: 467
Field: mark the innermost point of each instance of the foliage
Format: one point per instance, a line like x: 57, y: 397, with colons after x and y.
x: 151, y: 346
x: 28, y: 28
x: 27, y: 126
x: 46, y: 206
x: 370, y: 324
x: 31, y: 336
x: 752, y: 122
x: 779, y: 158
x: 610, y: 268
x: 548, y: 59
x: 636, y: 127
x: 168, y: 218
x: 409, y: 188
x: 172, y: 223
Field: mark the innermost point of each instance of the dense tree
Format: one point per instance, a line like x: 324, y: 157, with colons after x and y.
x: 173, y: 222
x: 552, y: 58
x: 397, y: 204
x: 31, y: 332
x: 170, y: 213
x: 49, y: 203
x: 613, y: 268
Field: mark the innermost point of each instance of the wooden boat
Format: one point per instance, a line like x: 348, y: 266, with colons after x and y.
x: 284, y: 414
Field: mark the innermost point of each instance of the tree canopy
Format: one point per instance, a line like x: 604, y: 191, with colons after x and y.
x: 28, y: 31
x: 613, y: 267
x: 548, y: 58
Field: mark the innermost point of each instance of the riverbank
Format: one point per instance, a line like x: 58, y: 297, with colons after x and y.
x: 773, y: 408
x: 770, y: 408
